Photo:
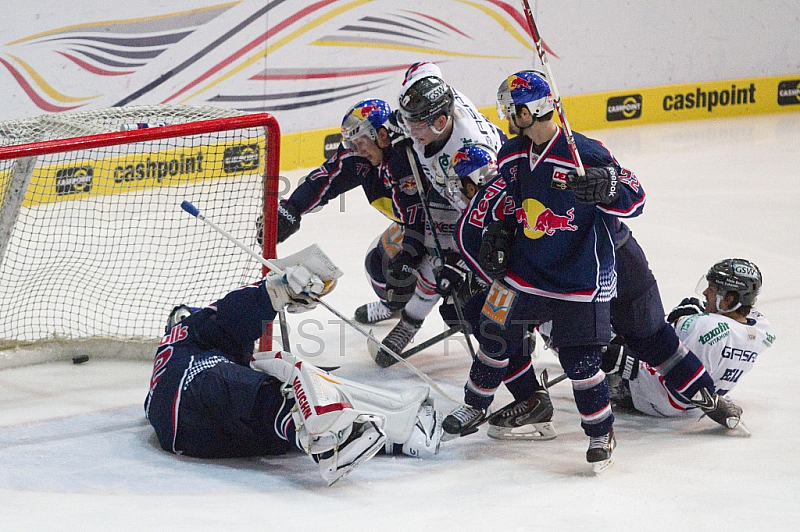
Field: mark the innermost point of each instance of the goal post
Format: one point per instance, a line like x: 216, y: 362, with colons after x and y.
x: 94, y: 248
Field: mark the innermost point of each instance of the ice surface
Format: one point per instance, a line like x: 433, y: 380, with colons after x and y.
x: 77, y: 454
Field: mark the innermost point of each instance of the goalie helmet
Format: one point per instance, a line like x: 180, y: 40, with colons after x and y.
x: 736, y: 275
x: 425, y: 100
x: 527, y: 88
x: 364, y: 118
x: 178, y: 314
x: 476, y: 163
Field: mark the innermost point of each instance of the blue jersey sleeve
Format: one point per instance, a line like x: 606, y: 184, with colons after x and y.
x: 342, y: 172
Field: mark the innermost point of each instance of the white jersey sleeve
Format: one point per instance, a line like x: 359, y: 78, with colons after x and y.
x: 726, y: 347
x: 470, y: 127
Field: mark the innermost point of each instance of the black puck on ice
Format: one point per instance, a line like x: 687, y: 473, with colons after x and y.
x: 80, y: 359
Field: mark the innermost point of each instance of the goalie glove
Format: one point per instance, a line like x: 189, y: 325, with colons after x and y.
x: 688, y: 307
x: 495, y: 252
x: 307, y: 275
x: 598, y: 185
x: 288, y: 220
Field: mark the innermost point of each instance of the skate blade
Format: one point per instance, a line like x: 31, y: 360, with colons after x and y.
x: 742, y: 429
x: 599, y: 467
x: 531, y: 432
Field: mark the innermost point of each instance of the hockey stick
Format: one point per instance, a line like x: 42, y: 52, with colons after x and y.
x: 438, y: 247
x: 194, y: 211
x: 537, y: 41
x: 373, y: 351
x: 284, y: 330
x: 548, y: 383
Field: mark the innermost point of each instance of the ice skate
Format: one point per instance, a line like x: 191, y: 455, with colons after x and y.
x: 721, y: 409
x: 397, y: 339
x: 529, y: 419
x: 600, y: 450
x: 464, y: 420
x: 374, y: 312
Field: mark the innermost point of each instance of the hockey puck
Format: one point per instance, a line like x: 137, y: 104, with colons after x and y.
x: 80, y: 359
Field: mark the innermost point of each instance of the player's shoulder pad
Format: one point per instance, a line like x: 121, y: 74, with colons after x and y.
x: 512, y: 145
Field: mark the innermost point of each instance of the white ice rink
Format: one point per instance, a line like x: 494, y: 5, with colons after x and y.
x: 77, y: 454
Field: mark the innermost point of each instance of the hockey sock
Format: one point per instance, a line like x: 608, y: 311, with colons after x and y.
x: 589, y: 387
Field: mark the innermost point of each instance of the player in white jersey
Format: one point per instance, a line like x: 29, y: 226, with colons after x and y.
x: 441, y: 120
x: 727, y: 334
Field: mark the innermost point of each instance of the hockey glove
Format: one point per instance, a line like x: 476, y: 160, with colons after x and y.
x: 288, y: 220
x: 396, y: 131
x: 307, y: 275
x: 687, y: 307
x: 598, y: 185
x: 451, y: 275
x: 401, y: 279
x: 495, y: 252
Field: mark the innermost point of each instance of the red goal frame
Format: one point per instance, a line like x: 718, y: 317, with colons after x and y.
x: 271, y: 163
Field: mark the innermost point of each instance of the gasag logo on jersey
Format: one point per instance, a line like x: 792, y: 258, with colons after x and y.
x: 789, y: 92
x: 716, y: 334
x: 331, y: 145
x: 74, y: 180
x: 624, y: 107
x: 559, y: 178
x: 241, y: 158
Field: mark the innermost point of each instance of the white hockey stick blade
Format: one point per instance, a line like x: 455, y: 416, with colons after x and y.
x: 530, y: 432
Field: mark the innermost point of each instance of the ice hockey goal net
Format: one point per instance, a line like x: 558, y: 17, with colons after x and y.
x: 94, y: 248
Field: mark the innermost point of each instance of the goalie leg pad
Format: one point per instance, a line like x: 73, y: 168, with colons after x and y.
x: 426, y: 435
x: 338, y: 436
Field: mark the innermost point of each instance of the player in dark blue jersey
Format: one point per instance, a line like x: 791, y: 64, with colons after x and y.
x: 636, y: 312
x: 369, y: 157
x: 211, y: 397
x: 560, y: 265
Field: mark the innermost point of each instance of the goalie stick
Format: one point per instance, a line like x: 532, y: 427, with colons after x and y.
x: 537, y: 41
x: 194, y: 211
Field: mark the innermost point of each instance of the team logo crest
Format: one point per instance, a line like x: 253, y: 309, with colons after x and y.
x: 545, y: 221
x: 498, y: 303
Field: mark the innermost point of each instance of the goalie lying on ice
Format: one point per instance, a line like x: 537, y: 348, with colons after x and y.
x: 211, y: 397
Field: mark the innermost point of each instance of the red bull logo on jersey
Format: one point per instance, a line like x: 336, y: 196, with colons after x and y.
x: 516, y: 82
x: 540, y: 221
x: 408, y: 185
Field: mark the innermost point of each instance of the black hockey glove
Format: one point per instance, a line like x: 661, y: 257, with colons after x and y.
x: 599, y: 185
x: 288, y: 220
x: 687, y: 307
x: 401, y: 279
x: 451, y: 275
x: 495, y: 252
x: 396, y: 132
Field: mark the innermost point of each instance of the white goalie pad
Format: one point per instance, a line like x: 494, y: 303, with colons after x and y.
x: 328, y: 426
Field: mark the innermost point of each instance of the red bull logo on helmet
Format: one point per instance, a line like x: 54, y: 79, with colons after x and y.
x: 459, y: 157
x: 540, y: 221
x: 364, y: 111
x: 516, y: 82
